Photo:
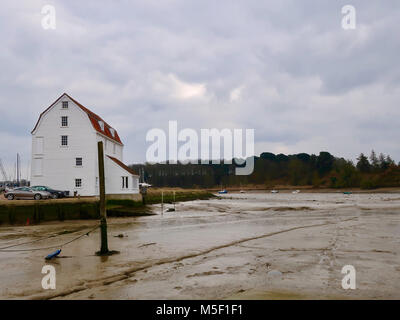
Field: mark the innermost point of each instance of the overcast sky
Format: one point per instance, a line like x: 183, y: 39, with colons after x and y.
x: 284, y: 68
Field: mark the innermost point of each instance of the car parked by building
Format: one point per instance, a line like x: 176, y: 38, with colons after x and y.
x: 26, y: 193
x: 55, y: 194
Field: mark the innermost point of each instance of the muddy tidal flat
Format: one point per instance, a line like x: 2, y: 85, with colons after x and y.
x: 253, y: 245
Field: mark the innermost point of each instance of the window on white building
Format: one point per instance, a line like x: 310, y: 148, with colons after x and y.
x: 65, y: 104
x: 112, y: 132
x: 78, y: 162
x: 124, y: 182
x: 78, y: 183
x: 37, y: 166
x: 64, y: 121
x: 64, y: 141
x: 39, y: 145
x: 134, y: 183
x: 114, y: 148
x: 101, y: 124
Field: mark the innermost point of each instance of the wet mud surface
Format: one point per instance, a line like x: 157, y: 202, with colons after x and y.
x: 242, y: 246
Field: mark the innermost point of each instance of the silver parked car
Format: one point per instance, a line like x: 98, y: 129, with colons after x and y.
x: 26, y: 193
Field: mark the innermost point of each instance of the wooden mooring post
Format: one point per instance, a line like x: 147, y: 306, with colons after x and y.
x: 103, y: 214
x: 162, y: 202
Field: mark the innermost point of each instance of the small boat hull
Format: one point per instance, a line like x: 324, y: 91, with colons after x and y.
x: 53, y: 255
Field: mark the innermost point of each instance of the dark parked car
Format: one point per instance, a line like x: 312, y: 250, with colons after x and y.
x: 55, y: 194
x: 26, y: 193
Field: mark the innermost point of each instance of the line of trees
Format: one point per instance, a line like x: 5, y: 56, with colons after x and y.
x: 323, y: 170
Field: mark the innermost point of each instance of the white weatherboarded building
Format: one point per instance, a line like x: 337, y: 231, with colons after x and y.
x: 64, y: 152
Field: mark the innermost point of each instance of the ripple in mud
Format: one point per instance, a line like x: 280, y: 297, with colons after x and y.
x: 292, y: 208
x: 202, y: 274
x: 281, y: 209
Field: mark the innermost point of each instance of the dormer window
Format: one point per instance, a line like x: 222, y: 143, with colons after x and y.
x: 101, y: 124
x: 112, y: 132
x: 65, y: 104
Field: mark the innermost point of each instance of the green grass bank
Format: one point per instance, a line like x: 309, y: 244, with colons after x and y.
x: 41, y: 211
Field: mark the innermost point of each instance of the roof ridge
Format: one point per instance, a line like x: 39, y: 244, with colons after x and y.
x: 122, y: 165
x: 86, y: 109
x: 93, y: 117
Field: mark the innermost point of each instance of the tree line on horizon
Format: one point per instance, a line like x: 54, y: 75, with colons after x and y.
x: 302, y: 169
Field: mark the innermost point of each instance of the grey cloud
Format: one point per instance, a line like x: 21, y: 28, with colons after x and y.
x: 306, y: 84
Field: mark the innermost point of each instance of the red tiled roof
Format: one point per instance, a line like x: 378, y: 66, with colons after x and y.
x: 122, y: 165
x: 94, y: 119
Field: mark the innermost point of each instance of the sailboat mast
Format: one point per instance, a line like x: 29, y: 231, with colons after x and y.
x: 18, y: 173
